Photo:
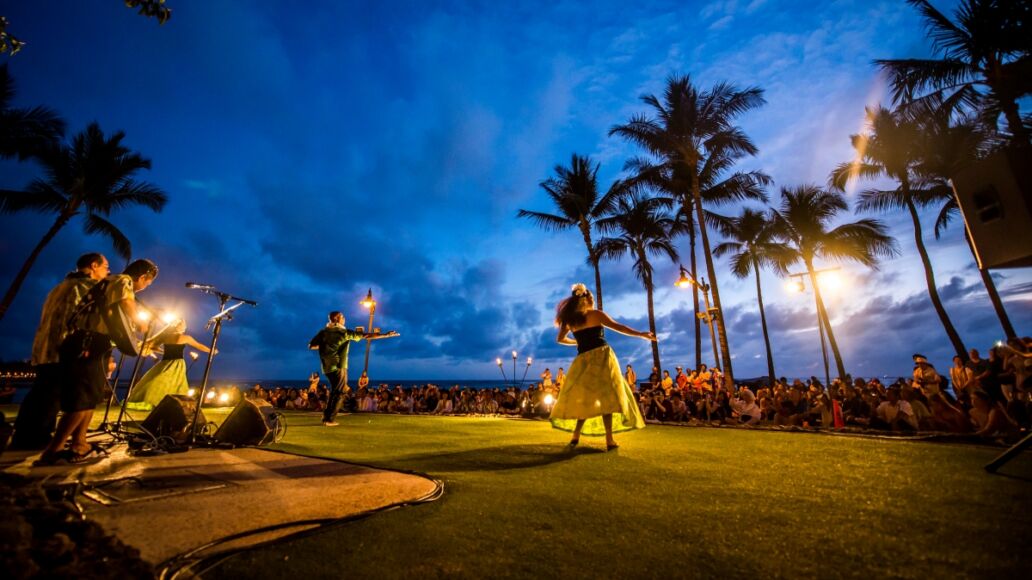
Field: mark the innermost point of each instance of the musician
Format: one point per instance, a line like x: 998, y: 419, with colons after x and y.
x: 333, y: 343
x: 38, y: 412
x: 84, y: 358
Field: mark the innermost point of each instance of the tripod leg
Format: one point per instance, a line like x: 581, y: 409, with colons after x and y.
x: 104, y: 426
x: 1009, y: 454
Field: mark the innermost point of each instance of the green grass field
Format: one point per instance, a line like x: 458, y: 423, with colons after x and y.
x: 672, y: 502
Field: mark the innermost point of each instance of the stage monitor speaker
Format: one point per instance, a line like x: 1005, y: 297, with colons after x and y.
x: 995, y: 197
x: 172, y: 418
x: 252, y: 422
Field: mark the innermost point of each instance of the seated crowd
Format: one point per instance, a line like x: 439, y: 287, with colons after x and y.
x: 988, y: 398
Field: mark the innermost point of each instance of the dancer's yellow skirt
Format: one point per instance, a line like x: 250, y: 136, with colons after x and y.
x: 595, y: 386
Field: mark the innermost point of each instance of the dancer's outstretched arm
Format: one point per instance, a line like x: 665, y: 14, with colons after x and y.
x: 608, y: 322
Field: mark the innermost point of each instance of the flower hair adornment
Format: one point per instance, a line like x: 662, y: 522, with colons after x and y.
x: 580, y: 290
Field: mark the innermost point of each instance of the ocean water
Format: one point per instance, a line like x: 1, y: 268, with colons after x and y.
x: 22, y: 387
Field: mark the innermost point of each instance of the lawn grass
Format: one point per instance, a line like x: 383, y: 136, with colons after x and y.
x: 672, y: 502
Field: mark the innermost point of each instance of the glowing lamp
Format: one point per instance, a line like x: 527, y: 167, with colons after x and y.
x: 514, y: 355
x: 368, y: 301
x: 191, y: 392
x: 210, y: 395
x: 169, y: 317
x: 684, y: 281
x: 549, y: 399
x: 224, y: 398
x: 498, y: 361
x: 143, y: 315
x: 830, y: 280
x: 529, y: 360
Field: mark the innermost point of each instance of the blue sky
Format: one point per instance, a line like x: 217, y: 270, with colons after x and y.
x: 312, y: 153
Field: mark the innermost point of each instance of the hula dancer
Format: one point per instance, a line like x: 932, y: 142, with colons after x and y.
x: 595, y: 394
x: 168, y: 377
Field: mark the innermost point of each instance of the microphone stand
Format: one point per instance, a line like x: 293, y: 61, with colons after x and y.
x: 104, y: 425
x: 223, y: 314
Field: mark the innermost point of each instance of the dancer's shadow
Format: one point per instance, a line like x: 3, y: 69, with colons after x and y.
x: 501, y: 458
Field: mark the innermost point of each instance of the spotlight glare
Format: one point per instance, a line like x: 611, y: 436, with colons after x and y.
x: 210, y: 395
x: 224, y: 398
x: 143, y: 315
x: 549, y: 399
x: 168, y: 317
x: 191, y: 392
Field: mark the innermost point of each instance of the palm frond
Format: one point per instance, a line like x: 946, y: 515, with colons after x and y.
x: 878, y: 200
x: 546, y: 221
x: 94, y: 224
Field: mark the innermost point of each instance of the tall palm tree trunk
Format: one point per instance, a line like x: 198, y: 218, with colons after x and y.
x: 585, y: 229
x: 695, y: 292
x: 994, y: 295
x: 822, y: 318
x: 652, y: 322
x: 933, y: 292
x: 725, y: 351
x: 24, y: 272
x: 763, y: 324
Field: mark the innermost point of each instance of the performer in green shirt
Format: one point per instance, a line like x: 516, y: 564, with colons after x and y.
x: 333, y: 343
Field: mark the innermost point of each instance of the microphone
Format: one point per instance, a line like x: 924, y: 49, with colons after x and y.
x: 196, y: 286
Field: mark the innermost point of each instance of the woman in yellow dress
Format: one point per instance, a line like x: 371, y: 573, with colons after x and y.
x: 595, y: 398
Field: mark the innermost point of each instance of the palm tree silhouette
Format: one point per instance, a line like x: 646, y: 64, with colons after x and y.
x: 92, y: 176
x: 692, y: 129
x: 718, y: 188
x: 24, y: 132
x: 640, y: 228
x: 574, y: 191
x: 986, y: 62
x: 752, y: 245
x: 802, y: 223
x: 891, y: 148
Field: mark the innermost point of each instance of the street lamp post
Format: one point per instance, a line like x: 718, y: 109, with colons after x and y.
x: 529, y: 360
x: 514, y: 368
x: 369, y: 303
x: 686, y: 281
x: 799, y: 285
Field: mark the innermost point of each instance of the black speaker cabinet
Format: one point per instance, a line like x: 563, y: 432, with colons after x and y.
x: 172, y: 418
x: 995, y: 196
x: 252, y: 422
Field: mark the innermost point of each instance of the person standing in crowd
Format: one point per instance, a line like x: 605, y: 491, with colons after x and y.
x: 560, y: 378
x: 681, y: 380
x: 38, y: 412
x: 926, y: 378
x: 632, y: 378
x: 961, y: 376
x: 334, y: 343
x: 654, y: 378
x: 168, y: 376
x: 596, y: 398
x: 667, y: 383
x: 85, y: 357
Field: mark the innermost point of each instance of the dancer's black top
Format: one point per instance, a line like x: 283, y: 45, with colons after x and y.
x: 589, y: 338
x: 173, y: 351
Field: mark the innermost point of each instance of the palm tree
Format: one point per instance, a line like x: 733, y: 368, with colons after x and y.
x: 986, y: 62
x: 574, y: 191
x: 24, y: 132
x: 717, y: 189
x: 802, y: 223
x: 641, y: 229
x: 93, y: 176
x: 693, y: 128
x: 891, y: 148
x: 752, y: 245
